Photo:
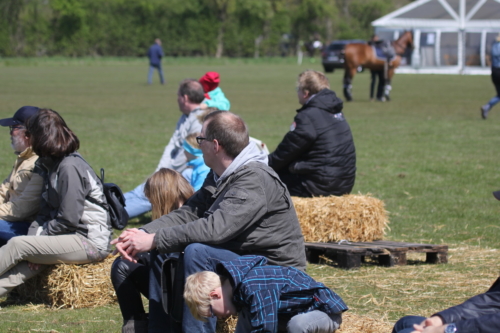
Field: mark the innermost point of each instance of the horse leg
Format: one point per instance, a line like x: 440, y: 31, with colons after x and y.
x: 388, y: 87
x: 348, y: 75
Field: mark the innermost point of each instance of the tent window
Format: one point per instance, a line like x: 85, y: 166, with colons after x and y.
x: 472, y: 49
x: 427, y: 49
x: 449, y: 49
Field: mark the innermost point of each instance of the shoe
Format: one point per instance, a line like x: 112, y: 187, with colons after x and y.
x: 484, y: 111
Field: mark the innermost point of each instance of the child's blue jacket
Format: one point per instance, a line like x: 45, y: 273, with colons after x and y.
x: 270, y: 291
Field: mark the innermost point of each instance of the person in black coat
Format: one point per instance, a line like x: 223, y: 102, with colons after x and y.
x: 317, y: 156
x: 480, y: 314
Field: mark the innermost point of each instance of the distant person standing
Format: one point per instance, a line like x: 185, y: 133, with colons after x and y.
x: 495, y: 77
x: 155, y: 53
x: 377, y: 73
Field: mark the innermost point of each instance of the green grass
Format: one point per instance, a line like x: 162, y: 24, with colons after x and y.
x: 427, y: 153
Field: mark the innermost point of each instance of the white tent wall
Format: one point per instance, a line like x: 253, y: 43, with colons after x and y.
x: 450, y: 36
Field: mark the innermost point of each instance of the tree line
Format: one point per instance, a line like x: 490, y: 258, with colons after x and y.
x: 232, y: 28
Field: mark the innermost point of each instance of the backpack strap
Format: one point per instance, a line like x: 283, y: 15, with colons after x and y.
x: 90, y: 199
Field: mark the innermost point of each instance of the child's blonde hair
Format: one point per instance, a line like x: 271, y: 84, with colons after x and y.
x: 166, y: 189
x: 209, y: 110
x: 191, y: 140
x: 197, y: 292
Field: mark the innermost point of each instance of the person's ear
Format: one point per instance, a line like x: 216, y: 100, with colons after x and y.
x: 216, y: 293
x: 306, y: 94
x: 216, y: 146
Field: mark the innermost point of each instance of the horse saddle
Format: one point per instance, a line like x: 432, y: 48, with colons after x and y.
x: 383, y: 50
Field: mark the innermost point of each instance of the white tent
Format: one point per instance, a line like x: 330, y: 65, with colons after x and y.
x: 450, y: 36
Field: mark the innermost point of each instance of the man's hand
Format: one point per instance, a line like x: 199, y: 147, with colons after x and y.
x: 429, y: 329
x: 430, y: 325
x: 133, y: 241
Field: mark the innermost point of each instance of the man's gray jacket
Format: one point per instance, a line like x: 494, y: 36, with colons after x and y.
x: 248, y: 210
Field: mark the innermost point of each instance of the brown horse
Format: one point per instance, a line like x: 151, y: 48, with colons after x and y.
x: 363, y: 55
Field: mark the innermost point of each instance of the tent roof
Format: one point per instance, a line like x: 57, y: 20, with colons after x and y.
x: 454, y: 14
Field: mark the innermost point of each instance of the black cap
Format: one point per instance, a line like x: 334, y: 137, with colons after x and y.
x: 496, y: 194
x: 20, y: 117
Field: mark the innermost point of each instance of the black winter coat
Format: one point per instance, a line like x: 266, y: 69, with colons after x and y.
x: 319, y: 147
x: 480, y: 313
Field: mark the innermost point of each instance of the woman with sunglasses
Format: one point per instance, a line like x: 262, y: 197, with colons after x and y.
x: 72, y: 225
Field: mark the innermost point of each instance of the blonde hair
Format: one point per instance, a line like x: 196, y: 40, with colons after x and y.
x: 166, y: 189
x: 201, y: 117
x: 191, y: 140
x: 312, y: 81
x: 197, y: 292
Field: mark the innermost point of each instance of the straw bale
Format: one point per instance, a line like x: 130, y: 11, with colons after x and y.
x: 71, y: 286
x: 352, y: 217
x: 351, y: 323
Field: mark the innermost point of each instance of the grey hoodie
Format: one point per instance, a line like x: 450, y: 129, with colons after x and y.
x: 246, y: 210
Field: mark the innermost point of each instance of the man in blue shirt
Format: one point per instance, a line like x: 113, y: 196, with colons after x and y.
x: 155, y: 53
x: 495, y: 77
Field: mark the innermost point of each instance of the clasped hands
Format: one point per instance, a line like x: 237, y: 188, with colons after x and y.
x: 133, y: 241
x: 430, y: 325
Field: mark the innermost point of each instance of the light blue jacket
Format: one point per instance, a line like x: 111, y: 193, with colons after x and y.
x: 495, y: 55
x: 217, y: 100
x: 200, y: 172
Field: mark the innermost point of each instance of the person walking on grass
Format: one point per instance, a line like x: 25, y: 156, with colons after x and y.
x: 155, y: 53
x: 495, y: 77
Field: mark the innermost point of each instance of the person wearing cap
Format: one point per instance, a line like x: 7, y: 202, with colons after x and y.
x: 20, y: 192
x: 214, y: 97
x: 155, y: 53
x: 495, y: 77
x: 196, y: 170
x: 189, y: 97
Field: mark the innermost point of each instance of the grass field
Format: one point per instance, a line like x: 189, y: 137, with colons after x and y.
x: 427, y: 154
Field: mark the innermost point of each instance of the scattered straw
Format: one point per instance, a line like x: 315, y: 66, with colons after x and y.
x: 71, y: 286
x: 357, y: 218
x: 351, y: 323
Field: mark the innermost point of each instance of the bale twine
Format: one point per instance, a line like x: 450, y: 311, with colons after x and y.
x: 351, y: 323
x: 71, y: 286
x: 353, y: 217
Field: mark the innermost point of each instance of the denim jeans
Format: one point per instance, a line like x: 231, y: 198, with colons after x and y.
x: 405, y: 324
x: 151, y: 70
x: 12, y: 229
x: 197, y: 257
x: 136, y: 202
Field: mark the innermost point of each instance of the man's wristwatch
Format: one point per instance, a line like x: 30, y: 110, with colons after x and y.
x: 451, y: 328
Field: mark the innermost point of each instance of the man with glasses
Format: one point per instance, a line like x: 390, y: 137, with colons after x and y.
x: 189, y: 97
x: 242, y: 208
x: 20, y: 192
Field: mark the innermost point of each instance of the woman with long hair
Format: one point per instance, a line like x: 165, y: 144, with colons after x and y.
x: 72, y: 225
x: 167, y: 190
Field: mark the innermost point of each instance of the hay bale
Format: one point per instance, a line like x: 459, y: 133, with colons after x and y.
x: 351, y: 323
x: 356, y: 218
x: 71, y: 286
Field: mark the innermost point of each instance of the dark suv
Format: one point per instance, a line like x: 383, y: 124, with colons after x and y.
x: 333, y: 55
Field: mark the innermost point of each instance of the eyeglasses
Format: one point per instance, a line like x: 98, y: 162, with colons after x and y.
x: 13, y: 128
x: 199, y: 139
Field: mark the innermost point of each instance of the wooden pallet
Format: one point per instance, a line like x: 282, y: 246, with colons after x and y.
x: 349, y: 255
